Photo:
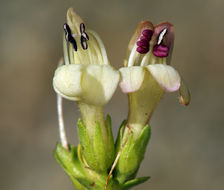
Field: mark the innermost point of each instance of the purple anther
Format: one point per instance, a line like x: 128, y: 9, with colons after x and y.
x: 146, y: 42
x: 163, y: 48
x: 142, y: 50
x: 160, y: 51
x: 143, y: 43
x: 144, y: 38
x: 147, y: 33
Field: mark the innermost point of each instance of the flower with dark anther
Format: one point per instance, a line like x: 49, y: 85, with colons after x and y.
x: 145, y: 77
x: 87, y: 78
x: 147, y: 74
x: 87, y: 75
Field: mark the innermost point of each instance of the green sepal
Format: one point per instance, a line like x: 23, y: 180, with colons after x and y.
x: 135, y: 182
x: 120, y: 136
x: 110, y: 149
x: 132, y: 153
x: 87, y: 146
x: 98, y: 150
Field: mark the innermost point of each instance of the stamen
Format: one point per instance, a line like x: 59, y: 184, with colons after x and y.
x: 69, y: 36
x: 160, y: 51
x: 85, y: 36
x: 72, y: 40
x: 142, y: 50
x: 84, y: 43
x: 147, y: 33
x: 83, y: 32
x: 67, y: 31
x: 82, y: 28
x: 143, y: 43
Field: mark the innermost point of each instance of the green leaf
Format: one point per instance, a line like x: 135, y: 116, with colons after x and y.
x: 134, y: 182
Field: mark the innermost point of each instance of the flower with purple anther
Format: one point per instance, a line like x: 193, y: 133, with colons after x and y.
x: 147, y: 73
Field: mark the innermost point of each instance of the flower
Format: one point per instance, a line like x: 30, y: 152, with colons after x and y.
x: 147, y: 73
x: 88, y: 78
x: 87, y: 75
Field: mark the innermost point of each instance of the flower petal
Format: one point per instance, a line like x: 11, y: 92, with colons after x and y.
x: 184, y: 93
x: 67, y: 81
x: 131, y: 78
x: 99, y: 83
x: 101, y: 46
x: 74, y: 21
x: 167, y: 77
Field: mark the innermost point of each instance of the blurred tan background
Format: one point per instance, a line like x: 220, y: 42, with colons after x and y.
x: 186, y: 150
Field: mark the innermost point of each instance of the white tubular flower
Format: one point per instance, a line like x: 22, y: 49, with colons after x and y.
x: 87, y: 75
x: 147, y: 75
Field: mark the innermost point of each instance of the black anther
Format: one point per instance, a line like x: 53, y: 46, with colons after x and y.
x: 82, y: 28
x: 69, y: 37
x: 72, y: 40
x: 84, y: 43
x: 85, y: 36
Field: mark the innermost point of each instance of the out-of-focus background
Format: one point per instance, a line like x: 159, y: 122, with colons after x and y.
x: 186, y: 150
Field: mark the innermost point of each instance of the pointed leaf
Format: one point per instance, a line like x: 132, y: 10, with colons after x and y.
x: 134, y: 182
